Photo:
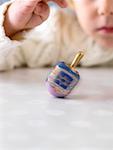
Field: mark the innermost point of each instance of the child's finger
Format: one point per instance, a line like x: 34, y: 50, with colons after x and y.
x: 42, y: 9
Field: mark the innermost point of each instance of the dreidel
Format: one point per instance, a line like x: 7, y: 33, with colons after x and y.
x: 64, y: 78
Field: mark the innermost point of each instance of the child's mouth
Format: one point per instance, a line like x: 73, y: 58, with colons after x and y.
x: 105, y: 30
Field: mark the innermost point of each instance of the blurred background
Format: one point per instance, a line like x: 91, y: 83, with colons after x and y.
x: 2, y: 1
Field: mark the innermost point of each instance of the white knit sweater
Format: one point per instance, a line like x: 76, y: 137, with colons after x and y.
x: 57, y: 39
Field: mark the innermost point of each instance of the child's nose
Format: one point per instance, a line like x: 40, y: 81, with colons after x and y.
x: 106, y: 7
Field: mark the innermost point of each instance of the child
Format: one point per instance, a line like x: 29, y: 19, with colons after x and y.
x: 27, y: 39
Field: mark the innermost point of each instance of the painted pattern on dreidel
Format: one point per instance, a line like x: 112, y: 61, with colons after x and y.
x: 64, y: 78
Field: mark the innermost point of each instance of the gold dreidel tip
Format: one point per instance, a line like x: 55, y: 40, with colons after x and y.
x: 77, y: 59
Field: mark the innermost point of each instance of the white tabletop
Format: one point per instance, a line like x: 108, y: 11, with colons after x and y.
x: 32, y: 119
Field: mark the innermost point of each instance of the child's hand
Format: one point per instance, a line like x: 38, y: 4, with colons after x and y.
x: 26, y: 14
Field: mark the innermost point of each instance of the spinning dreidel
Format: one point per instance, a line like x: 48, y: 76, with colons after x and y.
x: 64, y: 78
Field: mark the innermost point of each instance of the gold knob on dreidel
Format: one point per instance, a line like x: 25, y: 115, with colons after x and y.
x: 77, y: 59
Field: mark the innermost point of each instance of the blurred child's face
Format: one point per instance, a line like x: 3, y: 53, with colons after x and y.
x: 96, y: 19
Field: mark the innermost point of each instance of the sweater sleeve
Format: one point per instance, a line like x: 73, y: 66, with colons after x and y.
x: 35, y: 48
x: 7, y: 46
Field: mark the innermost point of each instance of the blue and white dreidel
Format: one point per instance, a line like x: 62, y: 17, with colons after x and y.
x: 64, y: 78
